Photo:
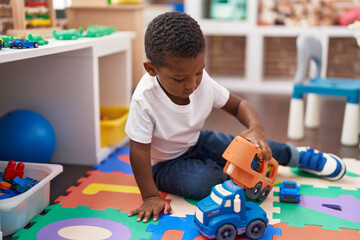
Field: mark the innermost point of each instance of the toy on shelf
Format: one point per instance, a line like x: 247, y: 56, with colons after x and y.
x: 355, y: 27
x: 225, y: 213
x: 69, y: 34
x: 38, y: 22
x: 99, y: 31
x: 20, y: 43
x: 14, y: 170
x: 289, y: 192
x: 2, y: 44
x: 350, y: 16
x: 124, y: 2
x: 228, y: 10
x: 247, y: 171
x: 37, y: 38
x: 35, y: 16
x: 40, y: 16
x: 6, y: 39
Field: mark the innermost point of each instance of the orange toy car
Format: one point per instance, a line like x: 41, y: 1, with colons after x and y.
x: 247, y: 171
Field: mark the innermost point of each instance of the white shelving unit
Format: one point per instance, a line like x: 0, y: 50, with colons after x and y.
x: 253, y: 80
x: 66, y: 82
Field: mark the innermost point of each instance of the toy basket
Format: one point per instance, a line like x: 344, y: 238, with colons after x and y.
x: 16, y: 212
x: 112, y: 125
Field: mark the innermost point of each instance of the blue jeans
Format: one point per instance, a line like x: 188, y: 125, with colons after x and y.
x: 193, y: 174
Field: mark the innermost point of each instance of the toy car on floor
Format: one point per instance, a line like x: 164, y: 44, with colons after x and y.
x: 225, y: 213
x: 21, y: 43
x: 289, y: 192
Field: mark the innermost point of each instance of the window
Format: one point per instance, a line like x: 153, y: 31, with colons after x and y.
x: 256, y: 164
x: 216, y: 198
x: 269, y: 170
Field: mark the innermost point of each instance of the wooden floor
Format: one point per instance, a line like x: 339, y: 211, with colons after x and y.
x: 273, y: 111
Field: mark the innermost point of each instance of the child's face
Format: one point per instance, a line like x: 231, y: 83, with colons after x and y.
x: 181, y: 77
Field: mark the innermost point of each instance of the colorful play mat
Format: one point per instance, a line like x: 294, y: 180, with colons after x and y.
x: 97, y: 208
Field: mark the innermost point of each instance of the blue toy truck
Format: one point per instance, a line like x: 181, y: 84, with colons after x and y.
x: 289, y: 192
x: 224, y: 214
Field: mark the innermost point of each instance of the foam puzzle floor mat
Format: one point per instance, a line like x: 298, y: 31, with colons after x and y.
x: 97, y: 208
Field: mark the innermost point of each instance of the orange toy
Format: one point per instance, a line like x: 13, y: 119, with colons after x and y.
x: 247, y: 171
x: 5, y: 185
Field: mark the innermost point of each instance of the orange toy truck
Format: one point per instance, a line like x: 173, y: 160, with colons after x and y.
x: 247, y: 171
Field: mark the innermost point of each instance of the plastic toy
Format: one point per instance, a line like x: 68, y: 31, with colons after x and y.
x: 21, y: 43
x: 355, y: 27
x: 22, y: 185
x: 69, y: 34
x: 225, y: 214
x: 5, y: 185
x: 12, y: 170
x: 35, y: 3
x: 38, y: 22
x: 228, y: 10
x: 123, y: 1
x: 26, y: 136
x: 37, y: 38
x: 16, y: 186
x: 2, y: 44
x: 6, y: 39
x: 247, y: 171
x: 348, y: 17
x: 289, y: 192
x: 99, y: 31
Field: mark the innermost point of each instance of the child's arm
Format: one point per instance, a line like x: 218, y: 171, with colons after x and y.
x: 153, y: 204
x: 247, y: 115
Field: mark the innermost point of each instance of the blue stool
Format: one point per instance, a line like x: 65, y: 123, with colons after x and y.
x: 309, y: 48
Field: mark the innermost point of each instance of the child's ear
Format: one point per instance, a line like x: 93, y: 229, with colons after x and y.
x: 150, y: 68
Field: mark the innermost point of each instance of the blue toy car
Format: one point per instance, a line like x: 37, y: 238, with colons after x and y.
x: 225, y: 214
x: 289, y: 192
x: 21, y: 43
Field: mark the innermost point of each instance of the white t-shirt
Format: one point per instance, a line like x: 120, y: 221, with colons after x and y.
x: 170, y: 128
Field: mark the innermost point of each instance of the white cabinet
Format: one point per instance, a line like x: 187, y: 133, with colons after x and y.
x: 66, y: 82
x: 253, y: 79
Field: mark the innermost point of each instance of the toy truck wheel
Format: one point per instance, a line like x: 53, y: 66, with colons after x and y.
x: 253, y: 193
x: 36, y: 45
x: 264, y: 193
x: 226, y: 232
x: 19, y: 46
x: 255, y: 229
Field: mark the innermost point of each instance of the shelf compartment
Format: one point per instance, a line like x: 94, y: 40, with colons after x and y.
x: 112, y: 125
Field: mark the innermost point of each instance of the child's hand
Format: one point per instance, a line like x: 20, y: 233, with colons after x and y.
x: 257, y: 137
x: 151, y: 207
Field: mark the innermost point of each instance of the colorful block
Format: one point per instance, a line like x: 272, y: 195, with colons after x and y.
x: 83, y: 223
x: 104, y: 190
x: 14, y: 170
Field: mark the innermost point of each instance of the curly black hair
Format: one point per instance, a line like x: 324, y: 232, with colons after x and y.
x: 173, y: 34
